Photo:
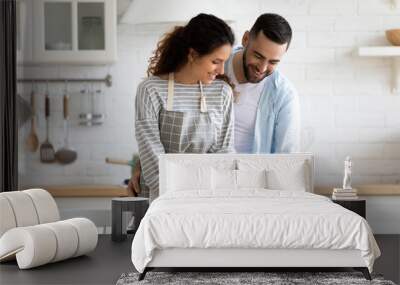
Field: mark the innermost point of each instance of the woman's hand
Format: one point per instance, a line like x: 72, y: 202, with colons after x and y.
x: 134, y: 183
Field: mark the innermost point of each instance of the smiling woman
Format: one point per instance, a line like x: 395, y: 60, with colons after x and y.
x: 183, y: 107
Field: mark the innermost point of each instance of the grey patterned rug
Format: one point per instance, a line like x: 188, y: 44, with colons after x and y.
x: 243, y: 278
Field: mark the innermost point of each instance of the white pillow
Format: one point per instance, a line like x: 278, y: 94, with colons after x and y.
x: 282, y: 174
x: 227, y: 179
x: 223, y: 179
x: 188, y: 177
x: 291, y: 176
x: 251, y: 178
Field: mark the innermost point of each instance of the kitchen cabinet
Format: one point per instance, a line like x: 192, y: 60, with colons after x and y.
x: 73, y: 32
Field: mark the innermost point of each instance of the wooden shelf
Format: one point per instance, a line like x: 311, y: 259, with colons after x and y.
x: 386, y: 51
x: 366, y: 190
x: 395, y: 4
x: 379, y: 51
x: 86, y: 190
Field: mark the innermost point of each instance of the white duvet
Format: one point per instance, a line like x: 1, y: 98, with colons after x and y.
x: 252, y: 218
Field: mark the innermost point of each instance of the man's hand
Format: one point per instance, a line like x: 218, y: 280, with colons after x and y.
x: 134, y: 183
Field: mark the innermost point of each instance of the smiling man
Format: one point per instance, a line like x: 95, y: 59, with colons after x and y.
x: 267, y: 111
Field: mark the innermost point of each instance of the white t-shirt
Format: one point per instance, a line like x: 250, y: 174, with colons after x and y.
x: 245, y: 110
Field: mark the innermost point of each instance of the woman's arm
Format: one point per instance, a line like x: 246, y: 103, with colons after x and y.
x: 134, y: 183
x: 225, y: 143
x: 148, y: 137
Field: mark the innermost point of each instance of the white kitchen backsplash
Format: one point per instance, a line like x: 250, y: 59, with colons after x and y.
x: 347, y: 106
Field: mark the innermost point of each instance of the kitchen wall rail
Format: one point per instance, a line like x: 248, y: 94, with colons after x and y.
x: 107, y: 80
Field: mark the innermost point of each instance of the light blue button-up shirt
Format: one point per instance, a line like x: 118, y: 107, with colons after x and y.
x: 277, y: 126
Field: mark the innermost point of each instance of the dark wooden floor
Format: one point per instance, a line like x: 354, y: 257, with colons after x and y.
x: 102, y: 266
x: 110, y: 260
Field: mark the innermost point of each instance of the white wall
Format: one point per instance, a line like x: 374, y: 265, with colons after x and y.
x: 347, y: 106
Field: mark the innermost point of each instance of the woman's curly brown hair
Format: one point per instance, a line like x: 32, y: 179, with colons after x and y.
x: 204, y: 33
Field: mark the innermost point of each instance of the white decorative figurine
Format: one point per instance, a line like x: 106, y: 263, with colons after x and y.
x: 347, y: 174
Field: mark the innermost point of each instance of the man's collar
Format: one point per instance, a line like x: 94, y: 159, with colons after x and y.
x: 238, y: 65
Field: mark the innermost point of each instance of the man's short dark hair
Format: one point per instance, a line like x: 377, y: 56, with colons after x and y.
x: 274, y: 27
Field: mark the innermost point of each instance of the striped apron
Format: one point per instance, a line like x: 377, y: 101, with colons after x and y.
x: 186, y: 132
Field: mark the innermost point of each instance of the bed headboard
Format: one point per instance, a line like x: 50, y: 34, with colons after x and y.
x: 282, y: 164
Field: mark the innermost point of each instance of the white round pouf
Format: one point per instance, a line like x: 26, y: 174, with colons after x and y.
x: 87, y: 233
x: 33, y: 246
x: 52, y: 242
x: 67, y: 239
x: 31, y: 233
x: 46, y: 207
x: 23, y: 208
x: 7, y: 216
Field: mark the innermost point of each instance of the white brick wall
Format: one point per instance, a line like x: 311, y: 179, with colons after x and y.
x: 347, y: 107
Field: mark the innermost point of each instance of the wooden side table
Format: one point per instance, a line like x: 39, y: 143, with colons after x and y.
x: 137, y: 205
x: 357, y: 206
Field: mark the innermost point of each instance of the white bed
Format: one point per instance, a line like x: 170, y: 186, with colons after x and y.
x: 231, y: 210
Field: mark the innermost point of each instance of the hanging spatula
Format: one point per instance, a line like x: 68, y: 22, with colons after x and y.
x: 47, y: 154
x: 66, y: 155
x: 32, y: 141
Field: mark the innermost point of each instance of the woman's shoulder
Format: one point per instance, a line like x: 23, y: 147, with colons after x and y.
x: 151, y: 82
x: 226, y: 89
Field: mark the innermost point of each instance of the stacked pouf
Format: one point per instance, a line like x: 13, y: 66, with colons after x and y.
x: 31, y: 232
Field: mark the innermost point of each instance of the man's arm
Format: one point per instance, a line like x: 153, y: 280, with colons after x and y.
x: 287, y: 126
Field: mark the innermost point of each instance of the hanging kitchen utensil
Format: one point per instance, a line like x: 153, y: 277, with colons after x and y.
x: 86, y: 106
x: 92, y: 117
x: 98, y: 115
x: 32, y: 141
x: 66, y: 155
x: 47, y: 154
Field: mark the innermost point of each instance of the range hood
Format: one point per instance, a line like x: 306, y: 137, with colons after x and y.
x: 143, y: 12
x: 122, y: 7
